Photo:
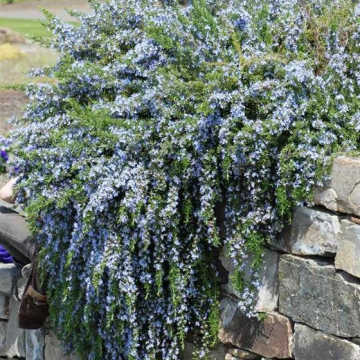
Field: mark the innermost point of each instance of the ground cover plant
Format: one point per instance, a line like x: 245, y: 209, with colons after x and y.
x: 168, y: 120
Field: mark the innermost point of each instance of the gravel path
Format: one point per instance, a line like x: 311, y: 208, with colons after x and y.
x: 30, y: 10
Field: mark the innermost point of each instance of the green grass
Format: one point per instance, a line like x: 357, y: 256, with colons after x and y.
x: 24, y: 26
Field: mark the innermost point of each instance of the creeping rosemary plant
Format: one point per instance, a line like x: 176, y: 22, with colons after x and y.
x: 168, y: 121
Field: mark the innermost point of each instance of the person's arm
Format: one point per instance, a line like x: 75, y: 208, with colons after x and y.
x: 6, y: 192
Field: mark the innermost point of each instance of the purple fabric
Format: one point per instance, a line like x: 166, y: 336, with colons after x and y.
x: 5, y: 257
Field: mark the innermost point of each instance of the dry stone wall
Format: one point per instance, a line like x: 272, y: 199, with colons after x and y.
x: 310, y: 284
x: 309, y: 298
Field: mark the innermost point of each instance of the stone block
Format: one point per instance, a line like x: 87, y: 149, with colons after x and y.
x: 267, y: 297
x: 312, y: 344
x: 312, y: 232
x: 53, y: 349
x: 342, y: 192
x: 242, y: 354
x: 4, y: 307
x: 9, y: 274
x: 3, y: 328
x: 230, y: 357
x: 348, y: 255
x: 312, y: 292
x: 35, y: 344
x: 15, y: 337
x: 271, y: 337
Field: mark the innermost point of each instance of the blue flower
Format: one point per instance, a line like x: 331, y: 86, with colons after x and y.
x: 240, y: 24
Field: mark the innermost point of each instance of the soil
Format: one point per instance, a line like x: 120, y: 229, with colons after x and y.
x: 11, y: 103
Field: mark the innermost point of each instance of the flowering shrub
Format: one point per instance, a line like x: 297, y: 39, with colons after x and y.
x: 166, y: 119
x: 5, y: 144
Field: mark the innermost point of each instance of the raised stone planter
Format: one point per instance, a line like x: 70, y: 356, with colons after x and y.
x: 312, y: 292
x: 312, y: 344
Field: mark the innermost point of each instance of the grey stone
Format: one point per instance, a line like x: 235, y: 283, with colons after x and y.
x: 230, y: 357
x: 35, y: 344
x: 4, y: 307
x: 342, y: 192
x: 3, y: 328
x: 271, y: 337
x: 327, y: 198
x: 267, y: 297
x: 312, y: 292
x: 312, y: 344
x: 53, y: 349
x: 15, y: 337
x: 9, y: 274
x: 312, y: 232
x: 242, y: 354
x: 348, y: 255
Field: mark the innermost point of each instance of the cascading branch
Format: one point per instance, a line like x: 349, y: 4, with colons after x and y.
x: 165, y: 115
